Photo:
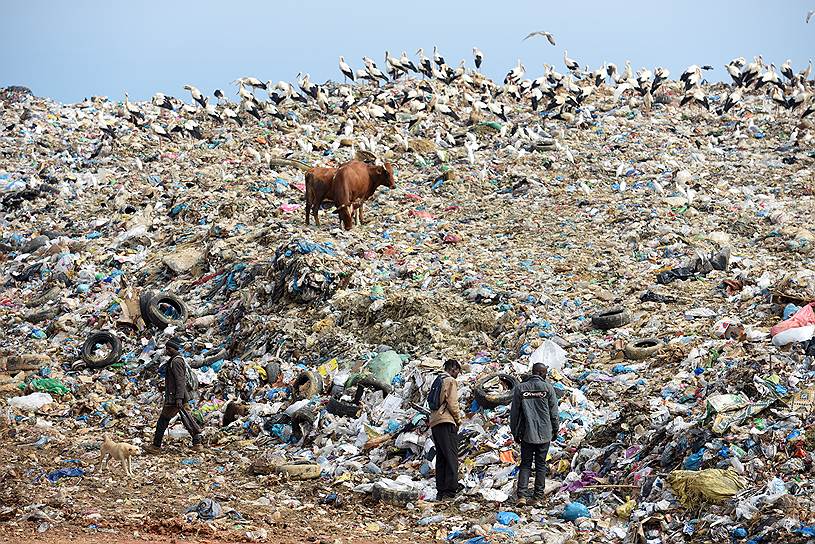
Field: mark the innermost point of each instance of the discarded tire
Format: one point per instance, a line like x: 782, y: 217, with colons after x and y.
x: 369, y: 382
x: 302, y: 422
x: 101, y: 338
x: 166, y: 309
x: 342, y: 409
x: 611, y: 318
x: 144, y: 306
x: 308, y: 384
x: 642, y: 349
x: 490, y: 399
x: 272, y: 373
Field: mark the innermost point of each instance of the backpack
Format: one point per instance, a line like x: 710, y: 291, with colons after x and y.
x: 191, y: 381
x: 434, y: 397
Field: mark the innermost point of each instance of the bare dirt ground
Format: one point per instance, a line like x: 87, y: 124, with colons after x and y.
x: 151, y: 507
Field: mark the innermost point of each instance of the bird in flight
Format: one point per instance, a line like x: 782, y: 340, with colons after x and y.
x: 809, y: 15
x: 546, y: 35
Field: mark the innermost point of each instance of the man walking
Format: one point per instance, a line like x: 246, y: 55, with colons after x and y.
x: 534, y: 422
x: 445, y: 419
x: 176, y: 396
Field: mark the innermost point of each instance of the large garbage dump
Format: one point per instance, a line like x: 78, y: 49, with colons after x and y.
x: 658, y: 259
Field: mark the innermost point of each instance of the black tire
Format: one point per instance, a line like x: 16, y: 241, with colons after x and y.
x: 272, y: 373
x: 162, y: 319
x: 642, y: 348
x: 493, y: 400
x: 342, y: 409
x: 101, y: 338
x: 302, y: 423
x: 611, y: 318
x: 369, y: 382
x: 307, y: 384
x: 145, y: 298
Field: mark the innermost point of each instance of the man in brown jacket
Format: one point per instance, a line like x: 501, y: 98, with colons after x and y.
x: 444, y: 424
x: 176, y: 397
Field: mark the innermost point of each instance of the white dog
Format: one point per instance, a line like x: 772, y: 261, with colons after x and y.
x: 121, y: 451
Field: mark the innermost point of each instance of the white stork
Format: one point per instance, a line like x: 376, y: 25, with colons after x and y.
x: 479, y: 57
x: 196, y: 95
x: 346, y: 70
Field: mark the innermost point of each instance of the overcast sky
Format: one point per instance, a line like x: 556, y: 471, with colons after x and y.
x: 73, y: 49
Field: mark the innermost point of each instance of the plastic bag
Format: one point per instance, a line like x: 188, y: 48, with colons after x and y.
x: 710, y: 485
x: 385, y: 366
x: 550, y: 354
x: 49, y: 385
x: 32, y: 402
x: 791, y: 336
x: 575, y: 510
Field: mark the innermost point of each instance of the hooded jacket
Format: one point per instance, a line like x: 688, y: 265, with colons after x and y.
x: 534, y: 415
x: 448, y: 411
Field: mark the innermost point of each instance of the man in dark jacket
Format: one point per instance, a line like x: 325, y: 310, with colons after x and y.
x: 534, y: 422
x: 176, y: 396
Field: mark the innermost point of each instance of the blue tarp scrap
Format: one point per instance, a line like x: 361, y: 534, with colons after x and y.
x: 58, y: 474
x: 304, y: 247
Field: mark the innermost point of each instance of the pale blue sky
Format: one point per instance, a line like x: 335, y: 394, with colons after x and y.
x: 72, y: 49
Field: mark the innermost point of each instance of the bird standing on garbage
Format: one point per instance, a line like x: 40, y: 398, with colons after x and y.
x: 571, y: 64
x: 346, y: 70
x: 196, y: 95
x: 425, y: 66
x: 479, y: 57
x: 437, y: 58
x: 133, y: 112
x: 405, y: 61
x: 515, y: 74
x: 786, y: 70
x: 733, y: 99
x: 691, y: 77
x: 161, y: 100
x: 697, y: 95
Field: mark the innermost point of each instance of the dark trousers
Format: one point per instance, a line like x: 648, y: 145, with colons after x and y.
x: 445, y: 437
x: 167, y: 413
x: 530, y: 453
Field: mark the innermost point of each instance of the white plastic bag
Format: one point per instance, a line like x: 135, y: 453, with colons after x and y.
x: 798, y: 334
x: 550, y: 354
x: 32, y: 402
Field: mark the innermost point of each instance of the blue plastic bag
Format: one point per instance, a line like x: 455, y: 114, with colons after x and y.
x: 575, y: 510
x: 64, y: 473
x: 507, y: 518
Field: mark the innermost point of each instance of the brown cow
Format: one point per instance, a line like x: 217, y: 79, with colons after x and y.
x: 354, y: 183
x: 318, y: 188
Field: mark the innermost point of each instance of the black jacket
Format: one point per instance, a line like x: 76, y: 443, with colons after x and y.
x: 175, y: 381
x: 534, y: 414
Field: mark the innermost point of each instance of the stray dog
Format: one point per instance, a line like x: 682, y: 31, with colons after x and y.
x: 121, y: 451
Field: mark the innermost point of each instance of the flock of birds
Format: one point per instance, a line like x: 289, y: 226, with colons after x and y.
x: 465, y: 96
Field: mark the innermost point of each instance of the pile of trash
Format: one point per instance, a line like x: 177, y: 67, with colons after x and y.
x: 659, y: 263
